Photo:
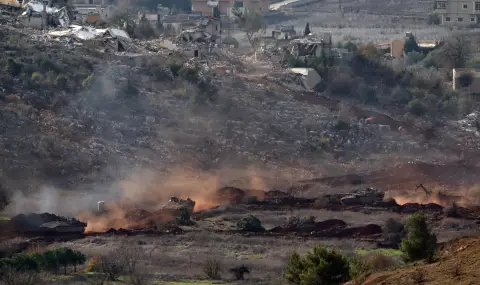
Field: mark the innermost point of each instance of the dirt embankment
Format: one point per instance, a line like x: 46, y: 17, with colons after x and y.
x: 458, y: 263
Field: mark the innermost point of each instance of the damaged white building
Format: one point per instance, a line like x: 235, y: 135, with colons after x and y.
x: 40, y: 15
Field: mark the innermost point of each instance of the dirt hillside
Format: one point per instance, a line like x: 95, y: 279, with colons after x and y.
x: 458, y: 263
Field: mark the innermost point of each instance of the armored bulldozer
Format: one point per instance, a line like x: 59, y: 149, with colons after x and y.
x: 177, y: 205
x: 367, y: 196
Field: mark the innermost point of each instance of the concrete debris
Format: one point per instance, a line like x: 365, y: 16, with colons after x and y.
x: 310, y: 78
x: 39, y: 15
x: 78, y: 32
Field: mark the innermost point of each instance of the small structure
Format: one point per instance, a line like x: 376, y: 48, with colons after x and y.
x: 395, y: 48
x: 59, y: 227
x: 310, y: 77
x: 284, y: 32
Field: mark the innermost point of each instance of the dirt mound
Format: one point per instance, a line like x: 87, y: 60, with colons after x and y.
x: 333, y: 228
x: 457, y: 263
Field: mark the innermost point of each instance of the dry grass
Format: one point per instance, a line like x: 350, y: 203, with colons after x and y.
x: 458, y: 264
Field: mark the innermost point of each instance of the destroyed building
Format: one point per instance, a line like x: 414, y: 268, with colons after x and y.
x: 307, y: 48
x: 41, y: 15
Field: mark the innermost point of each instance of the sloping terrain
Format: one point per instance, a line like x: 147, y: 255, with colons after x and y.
x: 457, y: 264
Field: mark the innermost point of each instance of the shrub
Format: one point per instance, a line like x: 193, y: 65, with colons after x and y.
x: 380, y: 262
x: 393, y: 231
x: 175, y: 67
x: 250, y: 224
x: 417, y: 107
x: 189, y: 73
x: 320, y: 266
x: 61, y: 82
x: 87, y: 82
x: 357, y: 266
x: 341, y: 125
x: 212, y: 269
x: 239, y: 272
x: 420, y: 243
x: 207, y: 91
x: 13, y: 67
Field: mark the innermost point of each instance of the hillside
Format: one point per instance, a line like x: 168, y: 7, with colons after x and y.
x: 457, y: 263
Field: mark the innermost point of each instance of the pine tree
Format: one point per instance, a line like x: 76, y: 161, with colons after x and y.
x: 307, y: 30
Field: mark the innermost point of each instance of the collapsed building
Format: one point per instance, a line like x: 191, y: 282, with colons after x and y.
x: 41, y: 15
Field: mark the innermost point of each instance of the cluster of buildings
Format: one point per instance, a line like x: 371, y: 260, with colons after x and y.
x: 457, y: 12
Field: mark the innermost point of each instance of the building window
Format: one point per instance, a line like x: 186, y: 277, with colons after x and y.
x: 447, y: 19
x: 477, y: 6
x: 460, y: 19
x: 442, y: 5
x: 465, y: 6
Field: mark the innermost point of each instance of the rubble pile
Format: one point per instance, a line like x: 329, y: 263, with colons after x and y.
x: 333, y: 228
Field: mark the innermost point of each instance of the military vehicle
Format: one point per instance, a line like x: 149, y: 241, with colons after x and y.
x: 176, y: 205
x: 367, y: 196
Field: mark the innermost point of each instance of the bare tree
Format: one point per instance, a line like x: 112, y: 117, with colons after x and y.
x: 112, y: 265
x: 10, y: 276
x: 251, y: 22
x: 457, y: 50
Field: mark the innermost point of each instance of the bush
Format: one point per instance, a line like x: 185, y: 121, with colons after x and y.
x: 417, y: 107
x: 175, y: 67
x: 239, y: 272
x: 61, y: 82
x: 420, y: 243
x: 380, y: 262
x: 250, y: 224
x: 393, y: 231
x: 341, y: 125
x: 189, y: 73
x: 320, y: 266
x: 12, y: 67
x: 87, y: 82
x: 37, y: 76
x: 212, y: 269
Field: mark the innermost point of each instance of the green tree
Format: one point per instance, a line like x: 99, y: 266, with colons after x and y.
x: 65, y: 257
x: 78, y: 259
x: 50, y: 261
x: 321, y: 266
x: 294, y: 269
x: 252, y: 23
x: 307, y: 31
x: 23, y: 262
x: 410, y: 44
x: 420, y: 243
